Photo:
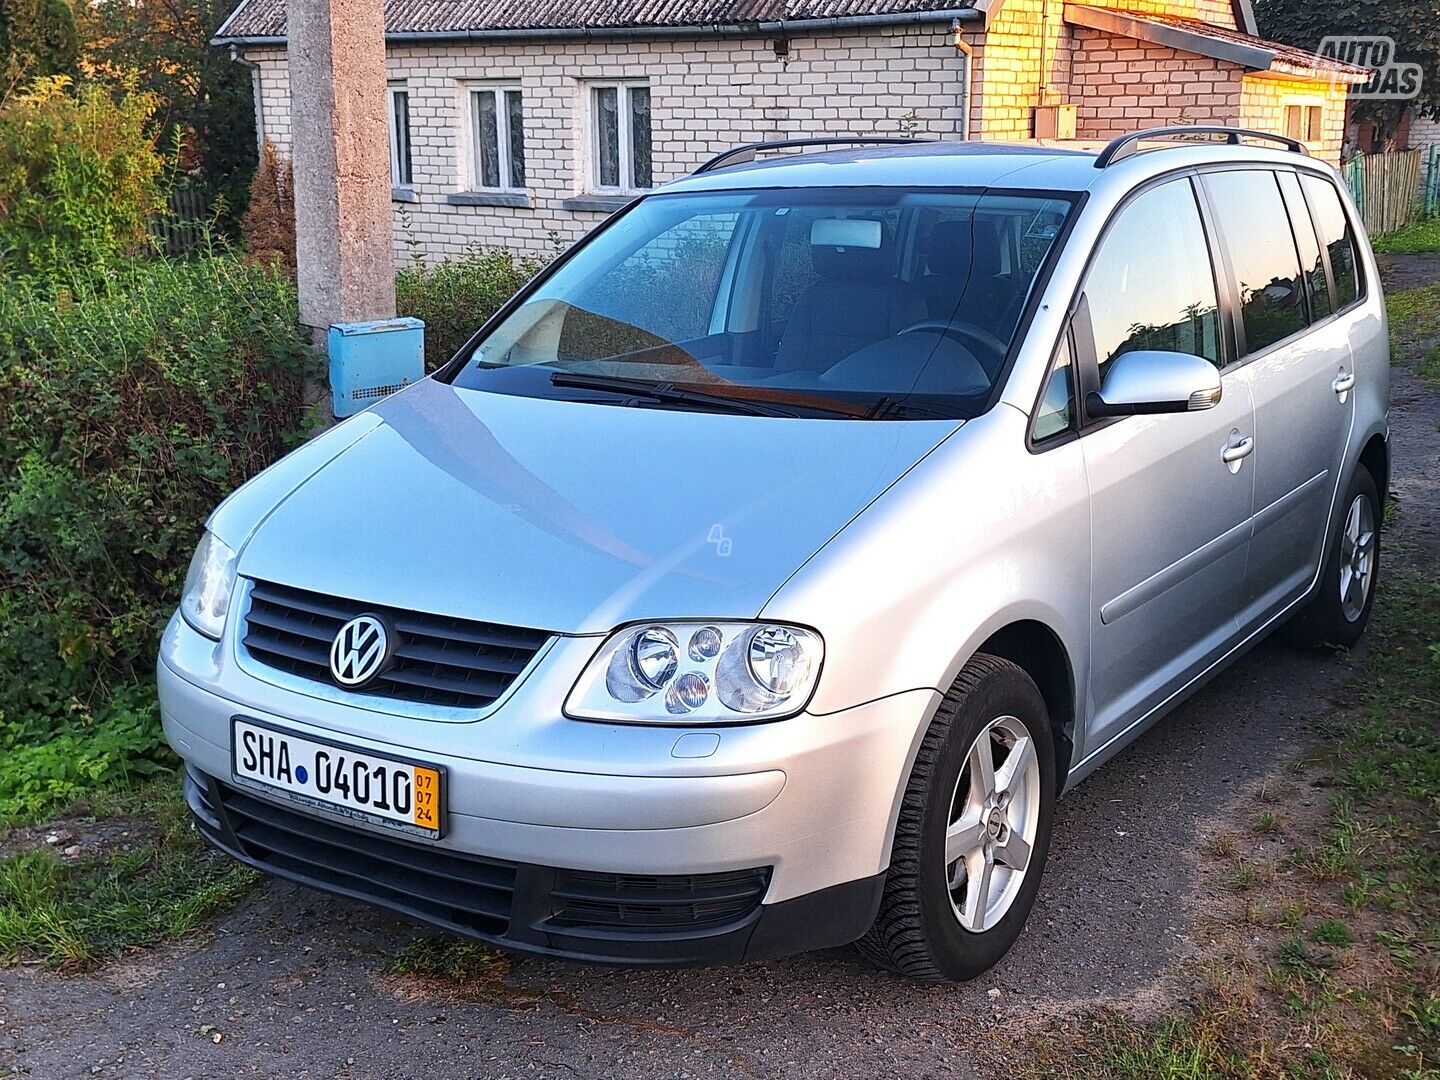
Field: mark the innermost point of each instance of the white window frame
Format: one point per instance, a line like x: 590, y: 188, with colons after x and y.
x: 622, y: 88
x: 1302, y: 103
x: 396, y: 180
x: 473, y: 173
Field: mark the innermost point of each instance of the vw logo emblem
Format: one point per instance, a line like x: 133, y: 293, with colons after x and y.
x: 360, y: 650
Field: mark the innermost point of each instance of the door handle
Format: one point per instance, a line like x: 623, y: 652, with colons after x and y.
x: 1342, y: 384
x: 1238, y: 451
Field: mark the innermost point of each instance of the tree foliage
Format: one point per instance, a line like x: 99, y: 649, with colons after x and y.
x: 79, y: 178
x: 269, y: 225
x: 1413, y: 25
x: 203, y: 98
x: 37, y: 38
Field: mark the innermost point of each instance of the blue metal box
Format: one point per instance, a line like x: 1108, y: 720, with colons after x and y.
x: 369, y: 360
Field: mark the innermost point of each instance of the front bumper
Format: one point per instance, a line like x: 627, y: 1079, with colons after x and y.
x: 802, y: 810
x: 638, y: 920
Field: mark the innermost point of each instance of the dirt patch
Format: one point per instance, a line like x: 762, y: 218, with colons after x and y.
x: 78, y: 837
x: 1400, y: 272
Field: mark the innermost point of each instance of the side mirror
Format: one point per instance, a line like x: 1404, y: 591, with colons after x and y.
x: 1156, y: 382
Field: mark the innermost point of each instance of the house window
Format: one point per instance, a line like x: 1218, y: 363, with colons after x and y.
x: 497, y: 138
x: 620, y: 136
x: 1302, y: 121
x: 400, y: 175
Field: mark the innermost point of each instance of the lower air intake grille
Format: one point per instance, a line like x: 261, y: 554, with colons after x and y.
x: 441, y: 886
x: 647, y: 902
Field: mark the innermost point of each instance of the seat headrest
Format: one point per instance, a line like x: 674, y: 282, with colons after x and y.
x: 852, y: 263
x: 948, y: 247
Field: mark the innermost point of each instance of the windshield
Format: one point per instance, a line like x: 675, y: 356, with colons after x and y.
x: 865, y: 303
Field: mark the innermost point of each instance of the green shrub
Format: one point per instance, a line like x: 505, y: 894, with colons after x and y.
x: 129, y: 406
x: 455, y: 298
x: 79, y: 178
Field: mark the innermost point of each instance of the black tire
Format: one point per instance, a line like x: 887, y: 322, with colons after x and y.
x: 1324, y: 622
x: 917, y: 932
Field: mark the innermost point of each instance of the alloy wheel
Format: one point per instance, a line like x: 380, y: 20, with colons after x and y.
x: 994, y: 815
x: 1357, y: 558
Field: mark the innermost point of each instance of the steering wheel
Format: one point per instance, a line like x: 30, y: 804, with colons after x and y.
x: 989, y: 348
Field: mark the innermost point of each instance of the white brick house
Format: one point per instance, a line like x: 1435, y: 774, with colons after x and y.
x: 523, y: 122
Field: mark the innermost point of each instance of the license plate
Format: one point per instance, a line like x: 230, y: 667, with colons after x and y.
x: 402, y: 795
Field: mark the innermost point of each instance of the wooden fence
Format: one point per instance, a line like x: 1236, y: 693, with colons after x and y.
x: 181, y: 226
x: 1385, y: 187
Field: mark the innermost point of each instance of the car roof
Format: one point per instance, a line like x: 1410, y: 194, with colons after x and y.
x: 1021, y: 166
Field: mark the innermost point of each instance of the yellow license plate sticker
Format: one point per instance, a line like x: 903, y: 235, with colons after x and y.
x: 427, y: 798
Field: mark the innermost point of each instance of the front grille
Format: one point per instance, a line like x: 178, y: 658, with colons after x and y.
x: 650, y: 902
x: 437, y: 660
x: 461, y: 891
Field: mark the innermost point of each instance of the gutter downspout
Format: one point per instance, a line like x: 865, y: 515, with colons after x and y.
x: 964, y: 48
x: 775, y: 28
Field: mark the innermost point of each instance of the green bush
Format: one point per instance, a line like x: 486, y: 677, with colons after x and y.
x: 455, y: 298
x: 79, y: 178
x: 129, y: 406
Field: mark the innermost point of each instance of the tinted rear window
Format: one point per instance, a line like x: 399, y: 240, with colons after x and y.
x: 1256, y: 234
x: 1310, y: 261
x: 1337, y: 235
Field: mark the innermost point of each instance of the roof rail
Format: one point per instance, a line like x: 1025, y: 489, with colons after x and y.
x: 1125, y: 145
x: 738, y: 155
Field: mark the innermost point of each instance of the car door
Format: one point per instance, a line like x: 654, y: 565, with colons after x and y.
x: 1170, y: 495
x: 1299, y: 366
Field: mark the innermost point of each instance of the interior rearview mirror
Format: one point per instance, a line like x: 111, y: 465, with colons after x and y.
x: 1152, y: 381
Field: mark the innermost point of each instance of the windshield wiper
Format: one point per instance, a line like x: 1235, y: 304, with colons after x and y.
x: 665, y: 392
x: 888, y: 408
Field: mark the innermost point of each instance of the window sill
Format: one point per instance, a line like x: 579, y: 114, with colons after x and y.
x: 403, y: 194
x: 517, y: 199
x: 598, y: 204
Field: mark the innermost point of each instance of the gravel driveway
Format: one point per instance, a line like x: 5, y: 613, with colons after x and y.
x: 292, y: 982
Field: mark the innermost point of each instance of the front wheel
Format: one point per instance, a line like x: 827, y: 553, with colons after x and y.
x: 973, y: 832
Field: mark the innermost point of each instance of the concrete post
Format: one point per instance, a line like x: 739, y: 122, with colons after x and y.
x: 341, y: 153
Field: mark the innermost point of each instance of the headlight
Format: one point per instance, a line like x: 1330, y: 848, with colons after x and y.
x: 208, y: 585
x: 699, y: 673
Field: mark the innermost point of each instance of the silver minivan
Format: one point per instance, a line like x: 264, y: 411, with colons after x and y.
x: 759, y: 577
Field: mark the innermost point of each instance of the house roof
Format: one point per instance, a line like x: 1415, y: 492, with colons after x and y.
x: 1217, y: 42
x: 256, y: 21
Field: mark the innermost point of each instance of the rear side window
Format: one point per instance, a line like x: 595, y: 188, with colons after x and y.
x: 1151, y: 286
x: 1311, y: 264
x: 1336, y: 234
x: 1256, y: 234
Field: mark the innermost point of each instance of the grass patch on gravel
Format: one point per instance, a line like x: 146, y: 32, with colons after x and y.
x: 1414, y: 316
x: 1417, y: 238
x: 137, y: 875
x: 1320, y: 954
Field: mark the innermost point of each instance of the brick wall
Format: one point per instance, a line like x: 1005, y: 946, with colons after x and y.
x: 1424, y: 132
x: 1121, y: 84
x: 707, y: 95
x: 1263, y: 101
x: 1218, y: 12
x: 1021, y: 60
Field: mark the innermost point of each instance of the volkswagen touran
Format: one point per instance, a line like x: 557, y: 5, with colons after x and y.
x: 759, y: 577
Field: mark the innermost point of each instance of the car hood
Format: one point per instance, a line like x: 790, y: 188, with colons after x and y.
x: 574, y: 517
